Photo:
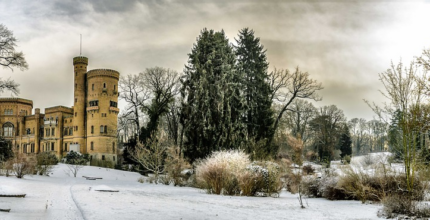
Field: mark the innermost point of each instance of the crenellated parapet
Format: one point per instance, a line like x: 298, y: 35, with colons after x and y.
x: 80, y: 60
x: 103, y: 73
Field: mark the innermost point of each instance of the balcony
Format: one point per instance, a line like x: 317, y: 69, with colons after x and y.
x: 114, y: 109
x: 92, y: 108
x: 52, y: 123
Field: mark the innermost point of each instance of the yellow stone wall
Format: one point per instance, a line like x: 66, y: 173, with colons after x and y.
x: 103, y: 88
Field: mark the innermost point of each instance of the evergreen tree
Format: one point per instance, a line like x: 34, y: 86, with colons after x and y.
x: 5, y: 149
x: 252, y: 63
x: 212, y: 103
x: 345, y: 142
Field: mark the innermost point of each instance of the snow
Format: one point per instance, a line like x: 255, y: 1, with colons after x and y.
x: 9, y: 190
x: 61, y: 196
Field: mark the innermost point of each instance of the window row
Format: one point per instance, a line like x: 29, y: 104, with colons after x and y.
x: 49, y: 132
x: 8, y: 112
x: 103, y: 129
x: 28, y: 148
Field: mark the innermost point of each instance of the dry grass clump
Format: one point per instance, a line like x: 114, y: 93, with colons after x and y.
x: 232, y: 173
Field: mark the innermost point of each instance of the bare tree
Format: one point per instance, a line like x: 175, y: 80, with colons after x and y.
x: 151, y: 155
x: 405, y: 88
x: 287, y: 86
x: 134, y: 93
x: 298, y: 118
x: 10, y: 58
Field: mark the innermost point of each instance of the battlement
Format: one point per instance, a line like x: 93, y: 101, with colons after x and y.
x: 103, y: 73
x: 18, y: 100
x: 80, y: 60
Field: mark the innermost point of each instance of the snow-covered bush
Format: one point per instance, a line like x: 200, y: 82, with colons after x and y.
x: 220, y: 169
x: 260, y: 177
x: 232, y: 173
x: 309, y: 186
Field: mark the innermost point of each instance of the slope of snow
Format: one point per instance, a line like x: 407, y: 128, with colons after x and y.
x: 61, y: 196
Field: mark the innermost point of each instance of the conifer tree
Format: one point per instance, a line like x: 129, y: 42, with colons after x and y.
x: 345, y: 142
x: 212, y: 103
x: 252, y: 62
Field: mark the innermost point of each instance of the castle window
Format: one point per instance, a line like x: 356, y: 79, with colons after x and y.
x: 113, y: 147
x: 76, y: 114
x: 8, y: 112
x: 65, y: 131
x: 104, y: 85
x: 92, y: 145
x: 114, y: 87
x: 8, y: 129
x: 113, y: 104
x: 92, y: 87
x: 103, y: 157
x: 52, y: 146
x: 53, y: 132
x: 94, y: 103
x: 76, y: 100
x: 28, y: 131
x: 71, y: 131
x: 102, y: 129
x: 65, y: 147
x: 105, y: 128
x: 92, y: 129
x: 47, y: 132
x: 32, y: 147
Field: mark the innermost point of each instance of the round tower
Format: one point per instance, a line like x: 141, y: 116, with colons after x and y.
x: 79, y: 110
x: 102, y: 114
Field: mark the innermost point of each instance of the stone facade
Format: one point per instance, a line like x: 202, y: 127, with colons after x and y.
x: 89, y: 126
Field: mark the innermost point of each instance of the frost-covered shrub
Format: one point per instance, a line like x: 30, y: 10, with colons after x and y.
x: 232, y: 173
x: 260, y: 177
x: 220, y: 169
x: 292, y: 182
x: 310, y: 186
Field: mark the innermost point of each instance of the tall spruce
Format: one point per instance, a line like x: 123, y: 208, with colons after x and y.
x: 212, y: 103
x: 252, y: 62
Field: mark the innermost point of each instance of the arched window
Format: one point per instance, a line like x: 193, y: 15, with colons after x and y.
x: 104, y: 85
x: 7, y: 129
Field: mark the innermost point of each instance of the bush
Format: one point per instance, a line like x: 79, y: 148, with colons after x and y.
x: 231, y: 173
x: 21, y: 164
x: 175, y: 166
x: 309, y: 186
x: 219, y: 170
x: 308, y: 170
x: 45, y: 162
x: 102, y: 163
x: 347, y: 159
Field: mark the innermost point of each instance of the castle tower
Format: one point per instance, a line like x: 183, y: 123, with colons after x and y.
x: 102, y: 114
x: 79, y: 110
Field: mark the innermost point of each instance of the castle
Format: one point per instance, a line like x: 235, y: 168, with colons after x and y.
x: 90, y: 126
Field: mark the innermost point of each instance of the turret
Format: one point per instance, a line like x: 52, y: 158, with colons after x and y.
x: 80, y: 69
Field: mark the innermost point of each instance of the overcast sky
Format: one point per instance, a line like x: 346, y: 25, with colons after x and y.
x: 343, y: 44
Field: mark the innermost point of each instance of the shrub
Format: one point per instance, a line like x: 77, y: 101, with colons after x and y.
x: 22, y: 164
x: 45, y: 162
x: 347, y: 159
x: 262, y: 177
x: 219, y: 170
x: 292, y: 182
x: 175, y: 166
x: 309, y: 186
x: 102, y: 163
x: 308, y: 169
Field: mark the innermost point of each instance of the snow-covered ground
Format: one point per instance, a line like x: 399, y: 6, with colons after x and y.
x: 62, y: 196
